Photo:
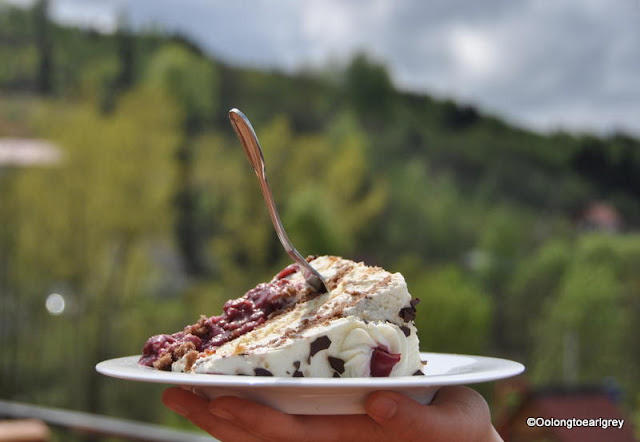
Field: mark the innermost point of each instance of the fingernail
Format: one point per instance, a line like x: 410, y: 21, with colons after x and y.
x: 221, y: 413
x: 383, y: 407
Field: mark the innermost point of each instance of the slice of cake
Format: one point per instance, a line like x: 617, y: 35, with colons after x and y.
x: 363, y: 327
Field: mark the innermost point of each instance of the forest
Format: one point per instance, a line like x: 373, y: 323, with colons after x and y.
x: 520, y: 244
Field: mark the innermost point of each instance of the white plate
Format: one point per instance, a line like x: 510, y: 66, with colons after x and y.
x: 323, y: 395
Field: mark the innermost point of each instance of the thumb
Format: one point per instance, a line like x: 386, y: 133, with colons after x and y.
x: 456, y: 414
x: 400, y: 417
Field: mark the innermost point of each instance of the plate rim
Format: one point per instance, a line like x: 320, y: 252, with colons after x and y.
x: 488, y: 369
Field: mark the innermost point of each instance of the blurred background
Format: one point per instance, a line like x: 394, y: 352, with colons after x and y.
x: 490, y: 152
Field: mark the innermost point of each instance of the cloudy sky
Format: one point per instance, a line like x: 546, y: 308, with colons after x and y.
x: 546, y: 64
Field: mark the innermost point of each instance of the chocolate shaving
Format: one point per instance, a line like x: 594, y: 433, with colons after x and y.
x: 322, y: 343
x: 296, y: 364
x: 262, y: 372
x: 298, y: 374
x: 337, y: 364
x: 409, y: 313
x: 418, y: 373
x: 406, y: 330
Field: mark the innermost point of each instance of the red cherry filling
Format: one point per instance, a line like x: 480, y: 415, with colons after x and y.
x: 289, y: 270
x: 239, y: 316
x: 382, y: 362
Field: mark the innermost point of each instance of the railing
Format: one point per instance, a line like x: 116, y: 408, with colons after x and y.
x: 99, y: 425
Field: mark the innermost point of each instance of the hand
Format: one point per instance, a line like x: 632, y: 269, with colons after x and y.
x: 456, y: 414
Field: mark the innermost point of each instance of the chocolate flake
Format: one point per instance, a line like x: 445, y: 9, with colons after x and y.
x: 322, y: 343
x: 335, y: 374
x: 262, y: 372
x: 409, y: 313
x: 337, y: 364
x: 418, y: 373
x: 296, y: 364
x: 406, y: 330
x: 298, y: 374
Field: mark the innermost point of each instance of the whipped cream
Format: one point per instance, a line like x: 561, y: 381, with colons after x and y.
x: 334, y: 334
x: 351, y: 343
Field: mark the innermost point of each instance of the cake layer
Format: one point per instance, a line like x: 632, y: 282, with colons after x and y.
x: 344, y: 347
x: 362, y: 327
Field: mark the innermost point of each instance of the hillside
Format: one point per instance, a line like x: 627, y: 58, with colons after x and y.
x: 479, y: 150
x: 513, y: 239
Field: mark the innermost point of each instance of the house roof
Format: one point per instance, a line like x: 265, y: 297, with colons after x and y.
x: 601, y: 216
x: 28, y: 152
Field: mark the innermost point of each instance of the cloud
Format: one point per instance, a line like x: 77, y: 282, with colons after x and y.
x: 101, y: 16
x: 474, y: 51
x: 545, y: 64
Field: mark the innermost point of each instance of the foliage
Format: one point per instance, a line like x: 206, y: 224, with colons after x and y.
x: 449, y: 301
x: 596, y: 302
x: 302, y: 173
x: 154, y: 217
x: 87, y: 229
x: 189, y: 78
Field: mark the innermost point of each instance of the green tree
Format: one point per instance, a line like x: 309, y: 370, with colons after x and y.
x: 44, y: 44
x: 454, y: 314
x: 322, y: 187
x: 588, y: 330
x: 192, y: 82
x: 87, y: 230
x: 369, y: 88
x: 535, y: 280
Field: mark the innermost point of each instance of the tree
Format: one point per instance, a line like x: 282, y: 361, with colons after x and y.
x: 87, y: 231
x: 192, y: 82
x: 322, y: 187
x: 454, y: 314
x: 588, y: 330
x: 369, y: 88
x: 44, y: 45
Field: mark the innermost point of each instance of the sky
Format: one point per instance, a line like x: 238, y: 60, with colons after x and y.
x: 542, y: 64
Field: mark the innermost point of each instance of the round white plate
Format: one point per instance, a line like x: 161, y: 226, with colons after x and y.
x: 323, y: 395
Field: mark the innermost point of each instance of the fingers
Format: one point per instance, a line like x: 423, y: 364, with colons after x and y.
x: 235, y: 419
x: 260, y: 419
x: 399, y: 415
x: 195, y: 409
x: 188, y: 405
x: 456, y: 414
x: 460, y: 400
x: 272, y: 425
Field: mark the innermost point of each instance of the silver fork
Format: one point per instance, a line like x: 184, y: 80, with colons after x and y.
x: 251, y: 145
